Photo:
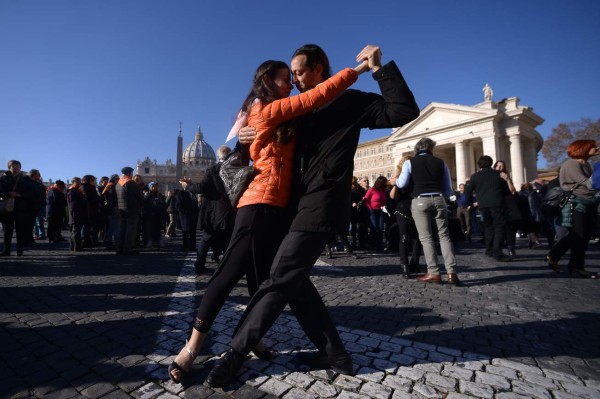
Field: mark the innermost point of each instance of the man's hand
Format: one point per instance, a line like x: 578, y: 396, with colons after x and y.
x: 246, y: 135
x: 362, y: 67
x: 372, y: 54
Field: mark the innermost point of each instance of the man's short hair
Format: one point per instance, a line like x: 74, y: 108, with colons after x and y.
x: 60, y: 183
x: 222, y: 152
x: 425, y: 144
x: 127, y: 170
x: 315, y: 56
x: 12, y: 162
x: 485, y: 161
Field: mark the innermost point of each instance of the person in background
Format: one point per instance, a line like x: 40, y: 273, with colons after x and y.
x: 407, y: 230
x: 173, y: 214
x: 463, y: 211
x: 431, y: 187
x: 375, y: 199
x: 103, y: 211
x: 130, y: 200
x: 38, y: 208
x: 89, y: 231
x: 78, y: 214
x: 154, y: 211
x: 187, y: 206
x: 579, y: 215
x: 514, y: 217
x: 529, y: 202
x: 14, y: 185
x: 110, y: 203
x: 55, y: 210
x: 356, y: 194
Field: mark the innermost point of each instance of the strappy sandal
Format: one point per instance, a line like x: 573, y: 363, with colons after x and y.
x: 175, y: 366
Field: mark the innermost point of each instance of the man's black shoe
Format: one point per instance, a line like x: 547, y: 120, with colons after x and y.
x: 341, y: 364
x: 226, y: 369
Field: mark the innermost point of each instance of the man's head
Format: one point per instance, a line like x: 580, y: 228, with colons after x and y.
x: 364, y: 182
x: 153, y: 186
x: 76, y: 182
x: 14, y: 166
x: 127, y: 171
x: 485, y: 161
x: 222, y: 152
x: 310, y: 66
x: 35, y: 174
x: 461, y: 187
x: 425, y: 144
x: 60, y: 185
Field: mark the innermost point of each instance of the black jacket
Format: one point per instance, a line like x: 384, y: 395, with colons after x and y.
x: 130, y: 198
x: 55, y: 202
x: 327, y: 142
x: 216, y: 211
x: 25, y: 186
x: 490, y: 187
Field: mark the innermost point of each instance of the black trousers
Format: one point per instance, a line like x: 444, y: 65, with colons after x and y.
x: 494, y: 222
x: 55, y: 223
x: 289, y: 282
x: 577, y: 239
x: 21, y: 224
x: 409, y: 241
x: 257, y: 232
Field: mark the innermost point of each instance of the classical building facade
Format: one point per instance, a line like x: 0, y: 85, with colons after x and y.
x: 191, y: 162
x: 503, y: 130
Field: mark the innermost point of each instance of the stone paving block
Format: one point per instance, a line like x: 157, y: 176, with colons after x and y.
x: 351, y: 395
x: 411, y: 373
x: 516, y: 366
x: 370, y: 374
x: 348, y: 383
x: 64, y: 393
x: 376, y: 391
x: 531, y: 390
x: 320, y: 389
x: 457, y: 372
x: 370, y: 343
x: 403, y: 360
x: 275, y: 387
x: 510, y: 395
x: 455, y: 395
x: 398, y: 383
x: 497, y: 381
x: 428, y: 366
x: 361, y: 360
x: 475, y: 389
x: 426, y: 391
x: 353, y: 347
x: 378, y: 354
x: 582, y: 391
x: 441, y: 383
x: 253, y: 378
x: 439, y: 357
x: 537, y: 379
x: 98, y: 390
x: 296, y: 393
x: 509, y: 373
x: 299, y: 380
x: 415, y: 352
x: 243, y: 392
x: 385, y: 365
x: 349, y: 337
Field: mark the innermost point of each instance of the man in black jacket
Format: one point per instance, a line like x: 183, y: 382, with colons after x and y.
x: 130, y: 199
x: 491, y: 190
x: 216, y: 216
x: 324, y: 159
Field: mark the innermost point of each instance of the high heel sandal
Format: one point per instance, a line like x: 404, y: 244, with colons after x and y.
x: 552, y: 264
x: 175, y: 366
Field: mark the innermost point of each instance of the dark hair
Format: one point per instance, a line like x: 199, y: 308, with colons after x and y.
x: 315, y: 56
x: 485, y: 161
x: 60, y: 183
x: 11, y: 162
x: 265, y: 91
x: 503, y: 163
x: 580, y: 149
x: 380, y: 183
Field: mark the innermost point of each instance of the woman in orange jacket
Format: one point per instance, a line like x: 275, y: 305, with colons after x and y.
x: 261, y: 220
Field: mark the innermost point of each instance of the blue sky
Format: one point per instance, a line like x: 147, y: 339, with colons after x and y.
x: 87, y: 87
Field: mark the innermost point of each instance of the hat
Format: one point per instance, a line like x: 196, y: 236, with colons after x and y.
x: 152, y: 184
x: 127, y: 170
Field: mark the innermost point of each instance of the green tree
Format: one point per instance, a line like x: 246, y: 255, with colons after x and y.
x: 555, y: 146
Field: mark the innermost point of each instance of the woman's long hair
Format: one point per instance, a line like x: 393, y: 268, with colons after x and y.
x: 265, y: 91
x: 580, y: 149
x: 401, y: 163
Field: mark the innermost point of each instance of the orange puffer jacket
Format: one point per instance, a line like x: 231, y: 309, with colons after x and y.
x: 273, y: 161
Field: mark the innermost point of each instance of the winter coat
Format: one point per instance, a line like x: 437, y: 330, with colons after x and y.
x: 56, y: 201
x: 272, y: 161
x: 78, y: 212
x: 130, y: 197
x: 187, y: 206
x: 24, y: 186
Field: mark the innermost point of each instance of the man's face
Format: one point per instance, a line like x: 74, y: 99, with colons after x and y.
x: 302, y: 76
x: 364, y: 183
x: 14, y: 168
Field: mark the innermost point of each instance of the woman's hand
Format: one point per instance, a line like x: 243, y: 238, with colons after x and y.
x: 362, y: 67
x: 246, y: 135
x: 372, y: 54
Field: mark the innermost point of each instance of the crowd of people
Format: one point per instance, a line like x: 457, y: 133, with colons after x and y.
x: 303, y: 200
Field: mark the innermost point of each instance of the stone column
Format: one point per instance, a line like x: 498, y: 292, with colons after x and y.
x: 516, y: 160
x: 461, y: 166
x: 490, y: 147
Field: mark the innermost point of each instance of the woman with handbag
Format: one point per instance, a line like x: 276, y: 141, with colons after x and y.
x: 14, y: 185
x: 580, y: 213
x: 260, y: 223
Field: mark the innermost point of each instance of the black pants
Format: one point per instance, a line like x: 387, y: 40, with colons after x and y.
x: 55, y: 223
x: 289, y: 282
x: 494, y: 222
x: 75, y: 242
x: 408, y: 241
x: 577, y: 239
x: 21, y: 223
x: 257, y: 232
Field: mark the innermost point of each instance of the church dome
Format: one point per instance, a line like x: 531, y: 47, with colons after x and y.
x: 199, y: 152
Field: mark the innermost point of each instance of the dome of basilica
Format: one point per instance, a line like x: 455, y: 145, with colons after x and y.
x: 199, y: 152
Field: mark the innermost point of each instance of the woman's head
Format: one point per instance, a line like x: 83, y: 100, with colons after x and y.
x: 582, y: 149
x: 271, y: 81
x: 500, y: 166
x: 401, y: 163
x: 380, y: 183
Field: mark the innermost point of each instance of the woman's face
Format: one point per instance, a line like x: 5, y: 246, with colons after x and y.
x: 283, y: 83
x: 593, y: 151
x: 499, y: 165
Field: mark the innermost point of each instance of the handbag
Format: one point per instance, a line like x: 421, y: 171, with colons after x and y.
x: 554, y: 201
x: 7, y: 205
x: 236, y: 175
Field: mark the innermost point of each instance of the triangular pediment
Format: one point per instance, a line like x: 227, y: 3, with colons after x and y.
x: 441, y: 116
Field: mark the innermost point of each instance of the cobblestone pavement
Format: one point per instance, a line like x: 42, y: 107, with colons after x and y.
x: 100, y: 326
